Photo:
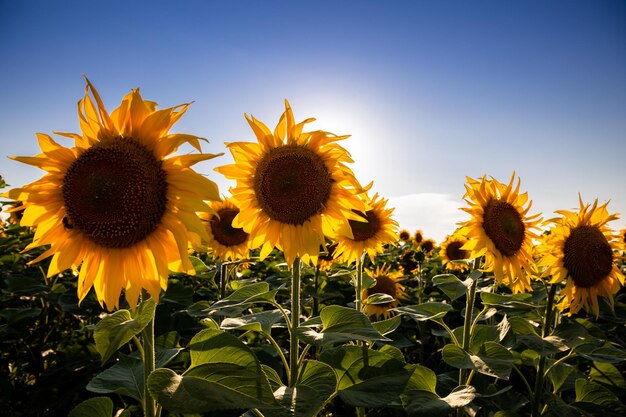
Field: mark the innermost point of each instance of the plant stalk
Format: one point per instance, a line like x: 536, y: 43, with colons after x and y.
x: 295, y: 323
x: 359, y: 283
x: 540, y: 378
x: 147, y: 338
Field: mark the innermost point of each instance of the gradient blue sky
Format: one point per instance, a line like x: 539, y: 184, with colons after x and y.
x: 430, y: 90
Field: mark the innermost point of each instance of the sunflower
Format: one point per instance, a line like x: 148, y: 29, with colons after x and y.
x: 622, y: 239
x: 293, y: 187
x: 404, y: 235
x: 113, y: 205
x: 427, y: 245
x: 386, y: 283
x: 581, y: 250
x: 368, y: 236
x: 327, y: 257
x: 451, y: 250
x: 501, y: 229
x: 226, y: 241
x: 418, y: 237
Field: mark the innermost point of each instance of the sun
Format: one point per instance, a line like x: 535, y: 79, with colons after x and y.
x: 581, y: 250
x: 117, y: 206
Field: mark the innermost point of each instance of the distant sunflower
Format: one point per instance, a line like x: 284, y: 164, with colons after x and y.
x: 427, y: 245
x: 226, y: 241
x: 404, y: 235
x: 386, y: 283
x: 581, y: 251
x: 418, y: 237
x: 327, y: 258
x: 501, y: 229
x: 113, y: 204
x: 451, y: 250
x: 622, y: 239
x: 368, y: 236
x: 293, y: 187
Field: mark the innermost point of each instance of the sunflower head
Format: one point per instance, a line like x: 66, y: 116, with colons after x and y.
x: 226, y: 242
x: 452, y: 250
x: 581, y: 252
x: 116, y: 205
x: 374, y: 228
x: 622, y: 239
x: 327, y: 257
x: 404, y: 235
x: 386, y: 283
x: 293, y: 187
x: 501, y: 229
x: 427, y: 246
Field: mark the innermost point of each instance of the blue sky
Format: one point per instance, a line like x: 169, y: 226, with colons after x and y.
x: 431, y: 91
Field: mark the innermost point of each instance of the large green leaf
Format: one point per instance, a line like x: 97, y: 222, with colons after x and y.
x: 93, y: 407
x: 258, y: 322
x: 386, y: 327
x: 425, y: 311
x: 600, y: 351
x: 608, y: 375
x: 224, y: 374
x: 316, y: 384
x: 451, y: 286
x: 126, y: 376
x: 511, y: 302
x: 590, y: 392
x: 427, y: 403
x: 492, y: 359
x: 367, y: 378
x: 339, y: 325
x: 236, y: 302
x: 117, y: 329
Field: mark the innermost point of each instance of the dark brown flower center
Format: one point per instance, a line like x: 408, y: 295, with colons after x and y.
x: 365, y: 230
x: 418, y: 237
x: 454, y: 251
x: 587, y: 256
x: 115, y: 193
x: 222, y: 228
x: 384, y: 285
x: 404, y: 236
x: 292, y: 184
x: 427, y: 246
x: 504, y: 226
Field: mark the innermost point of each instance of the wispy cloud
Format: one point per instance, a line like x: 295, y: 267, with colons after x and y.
x: 435, y: 214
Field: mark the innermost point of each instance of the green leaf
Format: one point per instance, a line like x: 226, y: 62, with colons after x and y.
x: 425, y: 311
x: 126, y: 376
x: 607, y: 374
x: 386, y: 327
x: 560, y: 375
x: 316, y: 384
x: 492, y: 359
x: 590, y: 392
x: 117, y: 329
x: 198, y: 265
x: 451, y: 286
x: 521, y: 302
x: 258, y: 322
x: 339, y: 325
x: 367, y: 378
x: 93, y: 407
x: 393, y: 352
x: 601, y: 351
x: 421, y: 403
x: 379, y: 298
x: 422, y: 379
x: 224, y: 374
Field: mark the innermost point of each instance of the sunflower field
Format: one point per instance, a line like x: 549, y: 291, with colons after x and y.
x: 132, y: 286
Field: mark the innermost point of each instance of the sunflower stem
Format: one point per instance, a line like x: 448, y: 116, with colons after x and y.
x: 295, y: 323
x: 316, y: 301
x: 540, y: 377
x: 467, y: 325
x: 223, y: 280
x: 147, y: 338
x: 359, y: 283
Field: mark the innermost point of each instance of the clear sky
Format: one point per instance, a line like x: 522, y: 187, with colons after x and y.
x: 431, y: 91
